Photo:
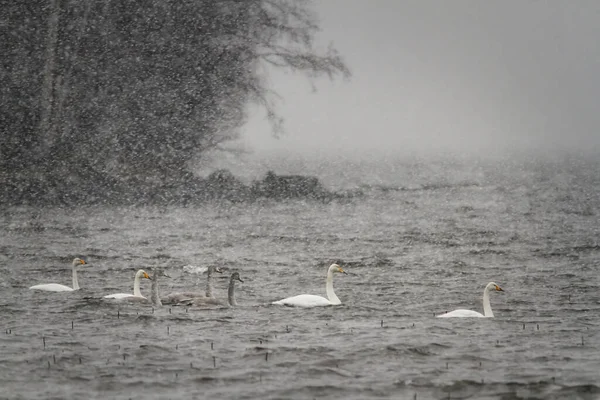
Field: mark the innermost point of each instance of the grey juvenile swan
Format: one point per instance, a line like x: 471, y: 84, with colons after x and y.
x: 207, y: 301
x: 178, y: 297
x: 154, y: 296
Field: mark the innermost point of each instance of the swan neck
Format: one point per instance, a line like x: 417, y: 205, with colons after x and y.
x: 209, y: 292
x: 230, y: 293
x: 136, y: 285
x: 487, y: 308
x: 154, y: 297
x: 329, y: 289
x: 75, y: 281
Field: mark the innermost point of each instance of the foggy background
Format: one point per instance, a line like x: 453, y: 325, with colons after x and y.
x: 461, y: 77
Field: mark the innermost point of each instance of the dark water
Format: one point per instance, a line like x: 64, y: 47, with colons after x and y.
x: 424, y: 241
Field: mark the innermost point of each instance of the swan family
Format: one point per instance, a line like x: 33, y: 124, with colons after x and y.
x: 177, y: 298
x: 207, y: 298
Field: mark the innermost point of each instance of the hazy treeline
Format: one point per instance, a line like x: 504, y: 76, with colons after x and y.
x: 113, y: 101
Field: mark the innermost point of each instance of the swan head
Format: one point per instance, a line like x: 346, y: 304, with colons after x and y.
x: 78, y: 261
x: 213, y: 268
x: 142, y: 274
x: 158, y: 272
x: 494, y: 286
x: 236, y: 277
x: 337, y: 268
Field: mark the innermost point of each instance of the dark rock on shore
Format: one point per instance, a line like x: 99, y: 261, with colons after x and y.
x: 187, y: 189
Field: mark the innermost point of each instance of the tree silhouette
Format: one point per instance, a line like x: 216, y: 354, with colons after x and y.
x: 115, y: 94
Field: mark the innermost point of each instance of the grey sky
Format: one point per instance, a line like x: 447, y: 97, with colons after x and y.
x: 447, y: 75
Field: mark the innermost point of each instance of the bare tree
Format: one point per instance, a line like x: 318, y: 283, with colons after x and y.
x: 133, y: 92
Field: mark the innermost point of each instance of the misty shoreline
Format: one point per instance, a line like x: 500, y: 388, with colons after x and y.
x: 186, y: 190
x: 317, y: 179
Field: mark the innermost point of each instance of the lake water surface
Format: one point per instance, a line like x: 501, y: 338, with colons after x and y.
x: 425, y: 239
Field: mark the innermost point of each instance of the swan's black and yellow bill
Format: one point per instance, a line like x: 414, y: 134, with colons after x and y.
x: 499, y: 289
x: 146, y: 276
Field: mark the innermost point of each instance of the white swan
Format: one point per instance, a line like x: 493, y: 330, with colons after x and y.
x: 178, y: 297
x: 310, y: 300
x: 208, y: 301
x: 136, y: 288
x: 487, y: 309
x: 55, y: 287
